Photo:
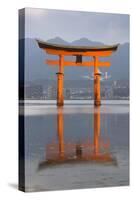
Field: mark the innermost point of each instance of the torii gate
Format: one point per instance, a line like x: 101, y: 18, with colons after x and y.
x: 78, y: 52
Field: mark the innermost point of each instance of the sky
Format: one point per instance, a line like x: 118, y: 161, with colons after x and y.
x: 107, y: 28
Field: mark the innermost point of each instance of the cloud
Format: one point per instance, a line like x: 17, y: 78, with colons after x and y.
x: 72, y: 25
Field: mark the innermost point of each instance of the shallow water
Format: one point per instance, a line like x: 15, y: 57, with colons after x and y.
x: 66, y: 148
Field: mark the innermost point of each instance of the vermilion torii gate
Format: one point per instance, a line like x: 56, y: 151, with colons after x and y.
x: 78, y: 52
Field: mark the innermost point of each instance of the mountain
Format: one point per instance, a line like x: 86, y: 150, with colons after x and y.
x: 57, y: 40
x: 36, y: 69
x: 85, y: 42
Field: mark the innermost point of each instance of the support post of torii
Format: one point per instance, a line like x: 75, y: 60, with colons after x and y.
x: 60, y: 82
x: 97, y: 96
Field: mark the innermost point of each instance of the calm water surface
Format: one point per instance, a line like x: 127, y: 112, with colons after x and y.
x: 76, y: 146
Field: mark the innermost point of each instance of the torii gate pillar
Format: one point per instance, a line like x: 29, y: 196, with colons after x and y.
x: 60, y: 82
x: 97, y: 95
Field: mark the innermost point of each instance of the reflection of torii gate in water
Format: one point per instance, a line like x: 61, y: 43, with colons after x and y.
x: 79, y: 52
x: 78, y: 147
x: 98, y: 150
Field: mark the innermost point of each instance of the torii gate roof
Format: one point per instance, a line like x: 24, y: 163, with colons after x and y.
x: 69, y: 48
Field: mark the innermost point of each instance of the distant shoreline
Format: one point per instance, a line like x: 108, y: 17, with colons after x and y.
x: 39, y: 107
x: 74, y: 102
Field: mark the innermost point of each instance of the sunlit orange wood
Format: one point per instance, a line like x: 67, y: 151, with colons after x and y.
x: 97, y: 96
x: 61, y: 64
x: 60, y: 82
x: 74, y: 53
x: 74, y: 64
